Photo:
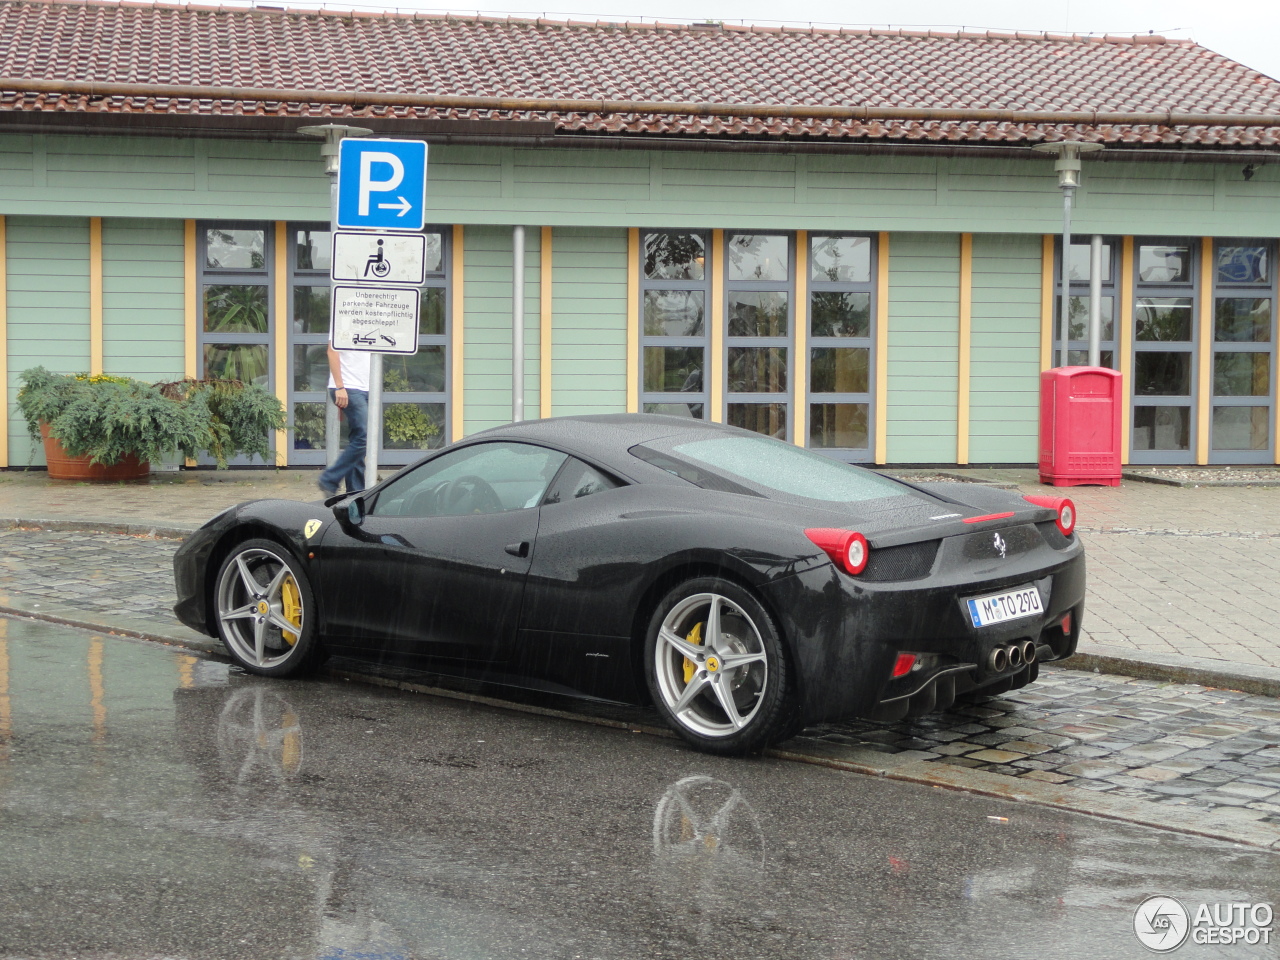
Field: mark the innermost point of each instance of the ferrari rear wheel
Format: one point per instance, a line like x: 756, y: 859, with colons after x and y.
x: 716, y: 668
x: 266, y: 610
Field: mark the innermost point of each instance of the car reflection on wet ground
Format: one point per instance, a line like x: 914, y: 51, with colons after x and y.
x: 159, y: 804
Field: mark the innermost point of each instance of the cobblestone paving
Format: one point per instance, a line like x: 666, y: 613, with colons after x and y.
x: 1176, y: 744
x: 99, y: 573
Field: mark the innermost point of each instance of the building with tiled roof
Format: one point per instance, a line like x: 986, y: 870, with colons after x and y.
x: 844, y: 238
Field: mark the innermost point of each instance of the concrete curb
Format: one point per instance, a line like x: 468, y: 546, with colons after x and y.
x: 852, y: 759
x: 155, y: 531
x: 1171, y: 482
x: 1244, y: 677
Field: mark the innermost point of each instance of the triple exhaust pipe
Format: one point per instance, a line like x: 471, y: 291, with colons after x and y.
x: 1012, y: 657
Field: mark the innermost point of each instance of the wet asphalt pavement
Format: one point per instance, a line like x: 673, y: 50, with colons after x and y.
x: 157, y: 804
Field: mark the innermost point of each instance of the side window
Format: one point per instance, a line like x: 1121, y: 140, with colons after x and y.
x: 484, y: 478
x: 578, y: 479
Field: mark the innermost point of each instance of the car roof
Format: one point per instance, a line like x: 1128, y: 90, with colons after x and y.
x: 606, y: 436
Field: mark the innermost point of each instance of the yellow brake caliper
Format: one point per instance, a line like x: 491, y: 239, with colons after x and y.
x: 694, y: 637
x: 291, y: 601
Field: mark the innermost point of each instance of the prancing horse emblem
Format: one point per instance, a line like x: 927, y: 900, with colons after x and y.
x: 1000, y: 545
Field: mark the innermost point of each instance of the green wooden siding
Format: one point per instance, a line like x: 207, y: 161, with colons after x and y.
x: 487, y: 326
x: 48, y: 267
x: 923, y: 349
x: 1005, y: 359
x: 122, y: 176
x: 589, y: 322
x: 142, y: 289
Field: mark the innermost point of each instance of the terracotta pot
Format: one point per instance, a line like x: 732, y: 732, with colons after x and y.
x: 64, y: 467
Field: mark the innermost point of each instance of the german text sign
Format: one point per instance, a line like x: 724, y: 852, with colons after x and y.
x: 382, y: 184
x: 374, y: 319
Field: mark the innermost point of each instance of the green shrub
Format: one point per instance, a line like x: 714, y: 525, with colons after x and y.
x: 107, y: 418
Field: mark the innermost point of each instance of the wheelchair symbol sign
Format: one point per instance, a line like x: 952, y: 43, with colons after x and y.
x: 382, y: 184
x: 378, y: 258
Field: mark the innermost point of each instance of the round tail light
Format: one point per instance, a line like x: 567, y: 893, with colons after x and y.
x: 1063, y: 507
x: 847, y: 549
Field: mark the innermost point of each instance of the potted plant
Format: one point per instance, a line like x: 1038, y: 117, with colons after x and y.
x: 113, y: 428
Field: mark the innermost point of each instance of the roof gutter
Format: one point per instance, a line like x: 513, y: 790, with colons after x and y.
x: 1169, y: 118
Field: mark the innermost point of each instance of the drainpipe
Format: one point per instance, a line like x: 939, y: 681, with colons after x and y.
x: 1095, y: 301
x: 517, y: 324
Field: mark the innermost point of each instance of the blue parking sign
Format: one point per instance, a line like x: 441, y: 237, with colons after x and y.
x: 382, y: 184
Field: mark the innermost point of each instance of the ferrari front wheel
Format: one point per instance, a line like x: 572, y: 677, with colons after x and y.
x: 716, y: 668
x: 266, y: 610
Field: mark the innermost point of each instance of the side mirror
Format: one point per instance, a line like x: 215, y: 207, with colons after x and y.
x: 350, y: 513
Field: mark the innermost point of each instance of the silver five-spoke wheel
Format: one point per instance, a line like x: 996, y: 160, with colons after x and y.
x: 263, y: 606
x: 711, y: 664
x: 716, y: 668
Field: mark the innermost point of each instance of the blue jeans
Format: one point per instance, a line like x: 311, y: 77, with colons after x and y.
x: 350, y: 463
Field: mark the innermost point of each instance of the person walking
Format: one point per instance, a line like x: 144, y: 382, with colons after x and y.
x: 349, y: 389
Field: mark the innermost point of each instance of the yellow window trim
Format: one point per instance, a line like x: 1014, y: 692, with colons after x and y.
x: 456, y: 322
x: 1046, y: 301
x: 1124, y: 342
x: 190, y: 305
x: 716, y: 394
x: 633, y: 319
x: 799, y: 434
x: 1204, y: 378
x: 281, y: 336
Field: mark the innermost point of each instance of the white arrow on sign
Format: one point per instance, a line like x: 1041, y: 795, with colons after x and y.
x: 404, y: 206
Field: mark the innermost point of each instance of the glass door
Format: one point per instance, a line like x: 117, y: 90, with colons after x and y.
x: 1243, y: 352
x: 1164, y: 353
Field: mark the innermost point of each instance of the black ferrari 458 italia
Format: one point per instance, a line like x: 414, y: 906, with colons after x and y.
x: 746, y: 586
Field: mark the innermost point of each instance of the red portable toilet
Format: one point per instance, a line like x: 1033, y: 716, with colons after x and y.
x: 1080, y: 426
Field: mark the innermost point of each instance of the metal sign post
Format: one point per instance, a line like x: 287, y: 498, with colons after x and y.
x: 381, y: 185
x: 333, y: 133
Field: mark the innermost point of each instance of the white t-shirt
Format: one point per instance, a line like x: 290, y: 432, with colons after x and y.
x: 355, y: 370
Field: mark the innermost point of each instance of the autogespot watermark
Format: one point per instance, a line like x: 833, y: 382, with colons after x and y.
x: 1164, y: 924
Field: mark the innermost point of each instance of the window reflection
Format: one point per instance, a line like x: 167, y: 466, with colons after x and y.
x: 1242, y: 374
x: 757, y: 369
x: 1243, y: 264
x: 841, y: 259
x: 1167, y: 319
x: 674, y: 313
x: 769, y: 419
x: 1079, y: 263
x: 1161, y: 428
x: 757, y: 257
x: 314, y: 249
x: 1164, y: 263
x: 1162, y: 374
x: 311, y: 309
x: 673, y: 369
x: 235, y: 248
x: 1242, y: 319
x: 235, y: 308
x: 758, y: 314
x: 841, y: 314
x: 840, y: 370
x: 671, y: 255
x: 1241, y: 428
x: 839, y: 425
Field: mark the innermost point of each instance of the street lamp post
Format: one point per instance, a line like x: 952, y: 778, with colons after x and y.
x: 1068, y: 153
x: 333, y: 133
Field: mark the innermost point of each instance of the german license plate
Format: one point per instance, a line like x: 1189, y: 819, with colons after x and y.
x: 1001, y: 607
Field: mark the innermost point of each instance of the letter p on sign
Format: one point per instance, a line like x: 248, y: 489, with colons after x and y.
x: 382, y: 184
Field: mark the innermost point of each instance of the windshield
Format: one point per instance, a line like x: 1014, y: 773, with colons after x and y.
x: 789, y: 469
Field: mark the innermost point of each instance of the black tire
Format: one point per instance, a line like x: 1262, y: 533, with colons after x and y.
x: 759, y: 689
x: 261, y: 590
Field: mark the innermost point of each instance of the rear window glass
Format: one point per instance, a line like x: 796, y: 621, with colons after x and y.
x: 789, y: 469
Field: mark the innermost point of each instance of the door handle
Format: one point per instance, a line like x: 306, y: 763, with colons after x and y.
x: 520, y: 549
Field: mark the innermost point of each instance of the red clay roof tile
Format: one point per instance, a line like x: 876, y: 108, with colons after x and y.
x: 193, y: 45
